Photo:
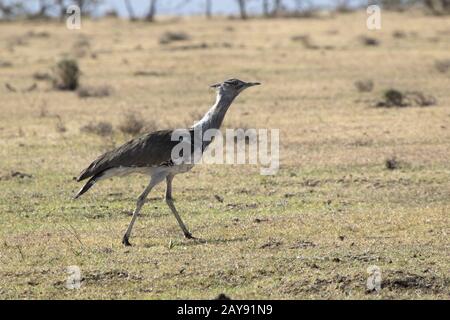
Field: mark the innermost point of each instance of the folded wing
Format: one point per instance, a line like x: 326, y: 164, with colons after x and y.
x: 152, y: 149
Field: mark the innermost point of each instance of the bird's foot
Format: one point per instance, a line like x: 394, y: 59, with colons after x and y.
x: 188, y: 235
x: 125, y: 241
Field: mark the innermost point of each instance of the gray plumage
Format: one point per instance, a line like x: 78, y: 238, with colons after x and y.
x: 149, y: 150
x: 152, y: 154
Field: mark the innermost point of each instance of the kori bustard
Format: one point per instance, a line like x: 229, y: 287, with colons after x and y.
x: 151, y: 154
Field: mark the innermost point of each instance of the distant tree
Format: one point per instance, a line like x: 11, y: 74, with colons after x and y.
x: 11, y: 10
x: 265, y: 8
x: 435, y: 6
x: 87, y: 7
x: 438, y: 6
x: 130, y: 10
x: 44, y: 5
x: 343, y: 5
x: 62, y: 8
x: 151, y: 11
x: 393, y: 4
x: 277, y: 6
x: 208, y: 9
x: 80, y: 4
x: 242, y: 9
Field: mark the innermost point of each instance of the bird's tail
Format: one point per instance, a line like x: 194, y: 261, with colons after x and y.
x: 87, y: 186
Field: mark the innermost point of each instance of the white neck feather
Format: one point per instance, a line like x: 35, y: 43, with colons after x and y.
x: 214, y: 117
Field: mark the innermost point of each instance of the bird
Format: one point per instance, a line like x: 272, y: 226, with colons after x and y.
x: 151, y: 155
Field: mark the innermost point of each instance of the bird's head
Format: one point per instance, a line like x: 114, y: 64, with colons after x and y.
x: 233, y: 87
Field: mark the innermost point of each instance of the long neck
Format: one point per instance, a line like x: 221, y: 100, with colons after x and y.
x: 214, y: 117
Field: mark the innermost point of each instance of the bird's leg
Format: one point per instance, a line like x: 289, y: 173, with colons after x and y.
x: 139, y: 204
x: 169, y: 201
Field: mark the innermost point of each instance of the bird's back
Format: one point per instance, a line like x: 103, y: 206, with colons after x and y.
x: 150, y: 150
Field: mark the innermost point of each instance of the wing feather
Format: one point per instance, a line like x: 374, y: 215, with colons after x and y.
x: 149, y: 150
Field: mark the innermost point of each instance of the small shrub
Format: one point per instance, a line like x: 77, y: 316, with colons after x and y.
x: 82, y: 42
x: 364, y: 85
x: 369, y: 41
x: 66, y: 75
x: 170, y: 36
x: 195, y: 46
x: 18, y: 41
x: 398, y: 34
x: 10, y: 87
x: 43, y: 113
x: 21, y: 175
x: 132, y: 124
x: 305, y: 41
x: 111, y: 13
x: 396, y: 98
x: 30, y: 88
x: 94, y: 92
x: 420, y: 99
x: 442, y: 65
x: 41, y: 34
x: 5, y: 64
x: 101, y: 128
x: 391, y: 163
x: 143, y: 73
x: 42, y: 76
x: 60, y: 127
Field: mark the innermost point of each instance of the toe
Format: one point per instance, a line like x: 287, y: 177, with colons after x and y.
x: 125, y: 242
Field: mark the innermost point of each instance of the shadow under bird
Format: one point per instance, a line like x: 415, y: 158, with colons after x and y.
x: 151, y: 154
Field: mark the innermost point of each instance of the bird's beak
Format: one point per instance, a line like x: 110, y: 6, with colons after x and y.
x: 216, y: 85
x: 251, y: 84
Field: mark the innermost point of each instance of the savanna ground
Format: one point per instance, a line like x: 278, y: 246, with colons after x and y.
x: 310, y: 231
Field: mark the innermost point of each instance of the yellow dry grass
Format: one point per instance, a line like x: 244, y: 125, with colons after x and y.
x: 311, y: 231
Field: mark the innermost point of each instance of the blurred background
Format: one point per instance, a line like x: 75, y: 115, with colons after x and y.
x: 148, y: 9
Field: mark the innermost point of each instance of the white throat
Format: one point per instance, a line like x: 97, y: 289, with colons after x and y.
x: 214, y: 117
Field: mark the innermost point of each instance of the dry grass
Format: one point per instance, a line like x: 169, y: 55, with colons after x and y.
x: 172, y: 36
x: 364, y: 85
x: 101, y: 128
x: 311, y: 231
x: 94, y: 91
